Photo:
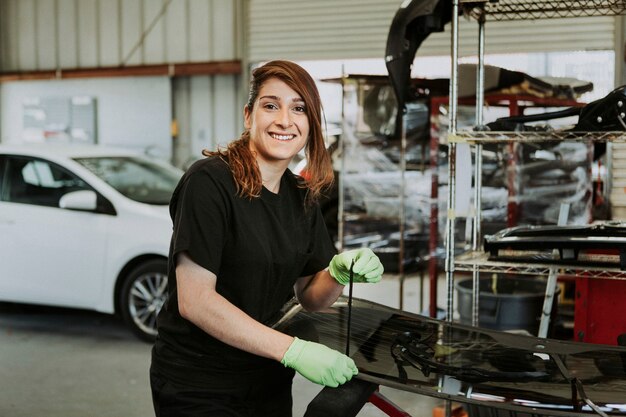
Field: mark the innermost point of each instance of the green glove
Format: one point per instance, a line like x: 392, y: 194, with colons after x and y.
x: 319, y: 364
x: 367, y: 266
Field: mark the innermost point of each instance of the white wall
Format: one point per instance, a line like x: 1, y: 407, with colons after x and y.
x: 134, y: 112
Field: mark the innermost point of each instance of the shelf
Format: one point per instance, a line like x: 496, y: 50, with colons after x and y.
x: 504, y: 137
x: 468, y: 261
x: 541, y: 9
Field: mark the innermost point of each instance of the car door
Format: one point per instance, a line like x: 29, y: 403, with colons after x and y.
x: 48, y: 255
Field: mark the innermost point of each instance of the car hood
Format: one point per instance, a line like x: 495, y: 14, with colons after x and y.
x: 160, y: 211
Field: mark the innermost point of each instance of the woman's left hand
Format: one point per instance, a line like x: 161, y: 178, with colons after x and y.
x: 367, y: 266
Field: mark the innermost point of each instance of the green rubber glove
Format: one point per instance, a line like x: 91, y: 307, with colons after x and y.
x: 319, y: 363
x: 367, y: 266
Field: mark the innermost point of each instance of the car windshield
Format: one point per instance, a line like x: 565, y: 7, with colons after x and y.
x: 136, y: 178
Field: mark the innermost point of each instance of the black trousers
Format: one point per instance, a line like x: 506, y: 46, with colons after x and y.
x: 250, y: 395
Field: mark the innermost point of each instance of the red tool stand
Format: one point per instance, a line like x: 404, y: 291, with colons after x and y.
x: 599, y: 310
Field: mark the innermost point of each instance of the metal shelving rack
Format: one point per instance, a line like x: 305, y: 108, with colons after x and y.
x: 541, y: 9
x: 467, y: 262
x: 478, y: 137
x: 477, y: 261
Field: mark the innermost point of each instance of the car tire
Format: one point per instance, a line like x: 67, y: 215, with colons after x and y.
x: 142, y: 295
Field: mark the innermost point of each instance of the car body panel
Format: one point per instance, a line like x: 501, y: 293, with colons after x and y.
x: 142, y: 231
x: 35, y: 252
x: 569, y: 240
x: 509, y: 372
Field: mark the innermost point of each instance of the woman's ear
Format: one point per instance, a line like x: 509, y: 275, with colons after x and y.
x: 247, y: 123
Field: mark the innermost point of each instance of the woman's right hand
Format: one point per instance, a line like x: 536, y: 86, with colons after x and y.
x: 319, y: 363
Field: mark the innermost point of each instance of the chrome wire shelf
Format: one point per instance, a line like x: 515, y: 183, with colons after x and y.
x: 541, y: 9
x: 470, y: 260
x: 503, y: 137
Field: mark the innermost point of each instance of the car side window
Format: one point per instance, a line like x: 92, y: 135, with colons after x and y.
x: 38, y: 182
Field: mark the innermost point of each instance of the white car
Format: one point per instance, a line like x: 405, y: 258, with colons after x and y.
x: 86, y: 227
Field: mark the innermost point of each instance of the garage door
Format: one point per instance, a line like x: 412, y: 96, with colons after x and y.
x: 346, y: 29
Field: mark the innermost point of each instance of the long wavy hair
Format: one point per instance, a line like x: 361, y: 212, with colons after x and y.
x: 241, y: 159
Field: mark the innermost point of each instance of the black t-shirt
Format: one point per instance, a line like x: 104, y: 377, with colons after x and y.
x: 257, y: 248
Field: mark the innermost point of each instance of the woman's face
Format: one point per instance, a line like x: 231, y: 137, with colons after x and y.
x: 278, y: 123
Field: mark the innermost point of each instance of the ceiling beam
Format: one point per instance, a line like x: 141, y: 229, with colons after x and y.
x: 170, y: 70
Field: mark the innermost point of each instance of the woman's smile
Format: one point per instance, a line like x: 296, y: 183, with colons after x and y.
x: 282, y: 137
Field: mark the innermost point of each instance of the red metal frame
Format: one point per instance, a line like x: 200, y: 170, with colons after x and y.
x: 385, y: 405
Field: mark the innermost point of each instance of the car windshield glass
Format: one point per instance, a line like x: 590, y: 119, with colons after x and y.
x: 136, y: 178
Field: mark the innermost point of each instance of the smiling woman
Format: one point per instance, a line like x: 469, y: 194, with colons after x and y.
x: 248, y: 236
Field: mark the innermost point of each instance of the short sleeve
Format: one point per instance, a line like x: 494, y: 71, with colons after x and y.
x: 321, y: 246
x: 200, y: 218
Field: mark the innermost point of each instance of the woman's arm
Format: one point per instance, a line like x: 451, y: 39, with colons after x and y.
x: 317, y: 292
x: 199, y: 303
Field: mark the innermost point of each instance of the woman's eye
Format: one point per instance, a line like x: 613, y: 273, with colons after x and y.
x: 270, y: 106
x: 300, y: 109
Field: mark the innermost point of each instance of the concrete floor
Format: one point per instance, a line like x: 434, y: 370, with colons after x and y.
x: 59, y: 362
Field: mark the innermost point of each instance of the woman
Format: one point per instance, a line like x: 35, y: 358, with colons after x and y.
x: 247, y: 235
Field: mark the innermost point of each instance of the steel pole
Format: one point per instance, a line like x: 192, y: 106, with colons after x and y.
x: 478, y: 168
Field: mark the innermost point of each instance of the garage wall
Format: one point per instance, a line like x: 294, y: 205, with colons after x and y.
x: 345, y: 29
x: 61, y: 34
x: 136, y: 112
x: 209, y: 114
x: 132, y: 112
x: 51, y: 34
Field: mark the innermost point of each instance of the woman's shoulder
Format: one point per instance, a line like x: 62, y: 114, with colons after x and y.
x: 211, y: 172
x: 210, y: 167
x: 211, y: 164
x: 204, y: 179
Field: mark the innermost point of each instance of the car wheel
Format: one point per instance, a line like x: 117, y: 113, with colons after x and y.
x: 142, y: 295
